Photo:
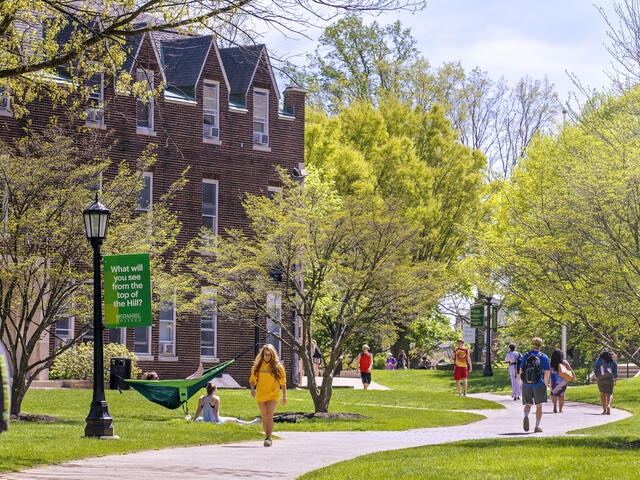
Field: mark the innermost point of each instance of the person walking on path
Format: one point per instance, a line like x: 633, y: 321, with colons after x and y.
x: 267, y: 380
x: 606, y: 371
x: 391, y: 362
x: 561, y: 375
x: 209, y: 406
x: 460, y: 371
x: 365, y: 362
x: 403, y: 361
x: 534, y: 370
x: 513, y: 359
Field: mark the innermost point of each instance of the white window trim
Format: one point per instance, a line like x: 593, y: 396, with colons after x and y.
x: 277, y: 300
x: 214, y: 357
x: 204, y: 180
x: 275, y: 190
x: 143, y: 355
x: 150, y: 176
x: 263, y: 147
x: 150, y: 130
x: 100, y: 123
x: 216, y: 113
x: 173, y: 342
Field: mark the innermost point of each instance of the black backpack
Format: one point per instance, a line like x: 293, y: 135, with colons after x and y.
x: 532, y: 370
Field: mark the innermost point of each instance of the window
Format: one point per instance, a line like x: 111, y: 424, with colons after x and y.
x: 261, y: 117
x: 274, y: 320
x: 64, y: 330
x: 209, y: 329
x: 210, y: 121
x: 272, y: 192
x: 144, y: 107
x: 210, y: 206
x: 5, y: 101
x: 142, y: 340
x: 144, y: 197
x: 167, y: 334
x: 117, y: 335
x: 95, y: 104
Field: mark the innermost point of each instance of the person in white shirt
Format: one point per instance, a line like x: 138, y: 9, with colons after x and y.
x: 513, y: 359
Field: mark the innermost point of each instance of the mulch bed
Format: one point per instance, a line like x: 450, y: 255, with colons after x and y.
x: 293, y: 417
x: 634, y: 444
x: 29, y: 417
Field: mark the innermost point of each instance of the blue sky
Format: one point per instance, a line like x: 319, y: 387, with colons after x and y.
x: 507, y: 38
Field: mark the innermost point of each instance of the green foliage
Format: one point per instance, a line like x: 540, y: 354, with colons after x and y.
x: 427, y: 333
x: 77, y: 362
x: 564, y: 247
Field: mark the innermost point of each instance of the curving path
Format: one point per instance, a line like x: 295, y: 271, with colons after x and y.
x: 300, y: 452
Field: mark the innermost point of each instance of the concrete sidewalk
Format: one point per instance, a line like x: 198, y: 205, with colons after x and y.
x: 347, y: 382
x: 300, y: 452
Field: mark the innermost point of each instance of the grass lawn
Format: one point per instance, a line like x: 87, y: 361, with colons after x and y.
x: 142, y: 425
x: 608, y: 451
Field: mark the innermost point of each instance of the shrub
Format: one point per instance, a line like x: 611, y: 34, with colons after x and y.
x: 77, y: 362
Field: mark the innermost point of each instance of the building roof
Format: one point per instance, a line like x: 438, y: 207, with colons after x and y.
x: 182, y: 60
x: 240, y: 64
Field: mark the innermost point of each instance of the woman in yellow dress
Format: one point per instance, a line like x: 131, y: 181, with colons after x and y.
x: 267, y: 379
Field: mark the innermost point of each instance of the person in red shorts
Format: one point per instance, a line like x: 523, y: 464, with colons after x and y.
x: 462, y: 359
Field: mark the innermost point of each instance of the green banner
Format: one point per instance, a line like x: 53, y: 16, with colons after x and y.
x: 477, y: 316
x: 127, y: 291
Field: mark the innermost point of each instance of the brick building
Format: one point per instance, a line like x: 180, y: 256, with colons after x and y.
x: 221, y: 114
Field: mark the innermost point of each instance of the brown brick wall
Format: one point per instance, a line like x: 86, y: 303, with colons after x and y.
x: 235, y: 164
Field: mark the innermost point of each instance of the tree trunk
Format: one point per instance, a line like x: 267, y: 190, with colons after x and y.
x: 18, y: 390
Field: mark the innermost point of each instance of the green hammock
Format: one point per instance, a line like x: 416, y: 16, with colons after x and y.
x: 173, y: 393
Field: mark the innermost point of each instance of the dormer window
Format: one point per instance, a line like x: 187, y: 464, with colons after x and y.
x: 261, y: 117
x: 144, y: 106
x: 210, y: 112
x: 95, y: 103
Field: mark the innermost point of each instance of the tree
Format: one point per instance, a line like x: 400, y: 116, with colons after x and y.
x: 341, y: 264
x: 39, y: 38
x: 427, y: 333
x: 565, y: 246
x: 47, y: 178
x: 359, y: 63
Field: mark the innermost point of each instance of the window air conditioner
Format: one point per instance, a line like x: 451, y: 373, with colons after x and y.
x: 260, y: 138
x: 94, y: 115
x: 210, y: 131
x: 166, y: 349
x: 4, y: 102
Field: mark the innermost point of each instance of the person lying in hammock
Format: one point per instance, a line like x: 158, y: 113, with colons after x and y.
x: 209, y: 406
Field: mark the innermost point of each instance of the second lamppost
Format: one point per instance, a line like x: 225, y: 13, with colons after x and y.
x: 96, y: 223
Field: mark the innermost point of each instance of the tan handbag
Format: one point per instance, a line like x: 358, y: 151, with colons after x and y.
x: 565, y: 373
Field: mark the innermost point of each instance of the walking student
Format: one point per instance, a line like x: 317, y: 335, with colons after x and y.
x: 365, y: 362
x: 561, y: 375
x: 606, y: 371
x: 391, y: 361
x: 534, y: 370
x: 267, y: 380
x: 460, y: 371
x: 513, y: 359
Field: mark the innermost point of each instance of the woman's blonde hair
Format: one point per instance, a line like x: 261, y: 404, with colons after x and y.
x: 274, y: 363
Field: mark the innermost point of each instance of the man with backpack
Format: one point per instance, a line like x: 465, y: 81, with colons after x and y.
x: 535, y: 373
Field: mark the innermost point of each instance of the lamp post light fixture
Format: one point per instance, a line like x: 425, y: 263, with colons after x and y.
x: 96, y: 224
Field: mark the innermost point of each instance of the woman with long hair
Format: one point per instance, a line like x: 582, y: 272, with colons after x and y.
x: 209, y: 406
x: 606, y: 370
x: 267, y: 380
x: 559, y: 384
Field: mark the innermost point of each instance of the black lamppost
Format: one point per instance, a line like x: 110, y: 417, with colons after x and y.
x: 96, y: 223
x: 488, y: 371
